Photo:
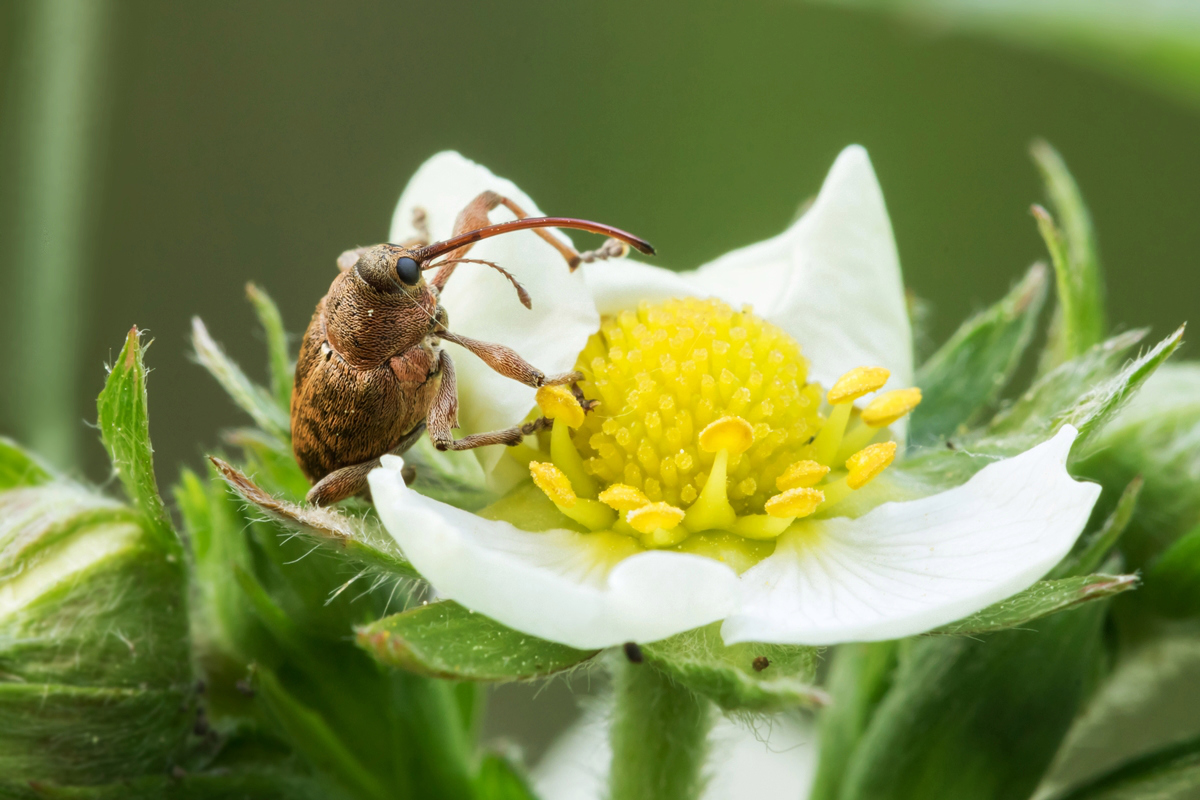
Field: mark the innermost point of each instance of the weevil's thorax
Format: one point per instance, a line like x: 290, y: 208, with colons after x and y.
x: 371, y: 315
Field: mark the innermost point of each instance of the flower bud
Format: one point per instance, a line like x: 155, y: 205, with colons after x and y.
x: 95, y: 665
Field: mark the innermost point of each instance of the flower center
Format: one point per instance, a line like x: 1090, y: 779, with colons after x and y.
x: 701, y: 421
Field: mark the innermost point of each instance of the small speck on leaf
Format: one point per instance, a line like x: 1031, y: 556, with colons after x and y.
x: 760, y: 663
x: 633, y: 653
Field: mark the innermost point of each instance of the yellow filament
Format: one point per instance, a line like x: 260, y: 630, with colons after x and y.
x: 857, y: 382
x: 712, y: 510
x: 802, y: 473
x: 761, y: 526
x: 557, y: 402
x: 728, y: 433
x: 830, y: 438
x: 590, y: 514
x: 867, y: 463
x: 566, y: 457
x: 795, y: 503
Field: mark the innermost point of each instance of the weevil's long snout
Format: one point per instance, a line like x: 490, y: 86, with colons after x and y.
x: 427, y: 254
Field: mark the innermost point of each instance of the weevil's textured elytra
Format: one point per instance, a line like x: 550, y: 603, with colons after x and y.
x: 372, y: 375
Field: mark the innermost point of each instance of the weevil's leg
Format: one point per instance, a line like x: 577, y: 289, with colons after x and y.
x: 475, y: 216
x: 443, y: 417
x: 508, y: 363
x: 352, y: 480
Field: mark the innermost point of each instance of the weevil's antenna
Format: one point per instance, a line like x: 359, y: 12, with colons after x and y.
x: 430, y: 252
x: 522, y: 295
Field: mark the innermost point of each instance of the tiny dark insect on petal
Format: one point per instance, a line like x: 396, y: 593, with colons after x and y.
x: 633, y: 653
x: 760, y: 663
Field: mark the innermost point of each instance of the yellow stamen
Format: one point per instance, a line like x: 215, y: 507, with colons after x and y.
x: 761, y: 526
x: 557, y: 402
x: 857, y: 382
x: 830, y: 438
x: 623, y: 497
x: 728, y: 433
x: 890, y: 406
x: 712, y: 510
x: 867, y: 463
x: 650, y: 518
x: 799, y: 502
x: 802, y: 473
x: 590, y: 514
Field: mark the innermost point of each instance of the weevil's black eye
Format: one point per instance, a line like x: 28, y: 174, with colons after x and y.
x: 408, y: 270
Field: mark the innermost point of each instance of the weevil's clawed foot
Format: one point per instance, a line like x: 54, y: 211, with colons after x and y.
x: 612, y: 248
x: 409, y: 473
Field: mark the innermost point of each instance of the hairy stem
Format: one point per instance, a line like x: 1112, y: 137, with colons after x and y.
x: 659, y: 737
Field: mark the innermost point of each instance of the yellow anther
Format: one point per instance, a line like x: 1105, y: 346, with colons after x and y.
x: 728, y: 433
x: 650, y: 518
x: 557, y: 402
x: 802, y: 473
x: 890, y: 406
x: 623, y: 497
x: 857, y: 382
x: 551, y: 480
x: 799, y: 502
x: 864, y: 465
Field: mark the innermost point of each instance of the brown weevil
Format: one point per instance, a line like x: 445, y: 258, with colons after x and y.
x: 372, y: 376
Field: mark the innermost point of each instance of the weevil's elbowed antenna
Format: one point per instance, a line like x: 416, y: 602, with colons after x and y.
x: 427, y: 254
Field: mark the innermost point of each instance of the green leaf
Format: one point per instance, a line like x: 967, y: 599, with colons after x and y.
x: 747, y: 676
x: 500, y: 779
x: 445, y: 640
x: 979, y: 719
x: 1079, y: 322
x: 319, y: 745
x: 360, y: 539
x: 1158, y: 438
x: 279, y: 358
x: 859, y: 677
x: 966, y: 375
x: 1173, y: 582
x: 1094, y: 547
x: 256, y: 401
x: 125, y: 429
x: 1085, y: 392
x: 19, y: 467
x: 243, y: 783
x: 1040, y: 600
x: 1173, y: 772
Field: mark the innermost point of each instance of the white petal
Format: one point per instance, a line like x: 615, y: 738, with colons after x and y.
x: 832, y: 280
x: 771, y: 760
x: 483, y: 305
x: 905, y: 568
x: 555, y: 584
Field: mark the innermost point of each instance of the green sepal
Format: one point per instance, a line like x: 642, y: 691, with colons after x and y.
x: 978, y: 718
x: 260, y: 404
x: 1173, y: 581
x: 1157, y: 438
x: 1085, y: 392
x: 359, y: 539
x: 500, y: 778
x: 445, y: 640
x: 1040, y: 600
x: 280, y: 366
x: 312, y: 736
x: 749, y: 676
x: 858, y: 679
x: 1172, y: 772
x: 1079, y: 321
x: 18, y: 467
x: 1093, y: 548
x: 968, y: 373
x: 124, y: 423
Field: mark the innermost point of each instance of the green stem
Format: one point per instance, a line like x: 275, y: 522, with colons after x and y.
x: 57, y: 117
x: 659, y: 737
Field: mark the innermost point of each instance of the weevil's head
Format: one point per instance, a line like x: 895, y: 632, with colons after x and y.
x: 389, y: 269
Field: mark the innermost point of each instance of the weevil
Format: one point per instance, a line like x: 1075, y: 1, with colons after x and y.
x: 373, y: 376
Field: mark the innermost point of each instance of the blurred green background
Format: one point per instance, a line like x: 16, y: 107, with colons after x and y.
x: 199, y: 146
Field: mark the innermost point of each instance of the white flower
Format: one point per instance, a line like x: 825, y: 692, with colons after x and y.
x: 675, y: 554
